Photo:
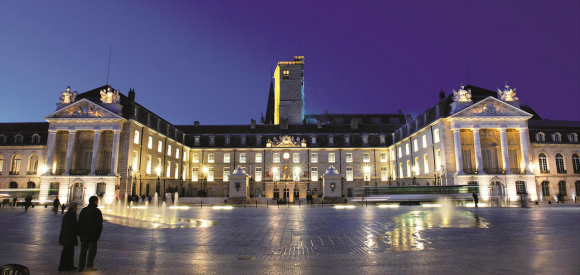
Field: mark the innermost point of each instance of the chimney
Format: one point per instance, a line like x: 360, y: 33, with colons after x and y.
x: 441, y: 95
x: 262, y: 119
x: 319, y: 123
x: 399, y: 111
x: 196, y: 123
x: 353, y: 124
x: 131, y: 94
x: 253, y: 123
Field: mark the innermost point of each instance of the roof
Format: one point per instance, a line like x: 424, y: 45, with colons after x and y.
x: 27, y: 130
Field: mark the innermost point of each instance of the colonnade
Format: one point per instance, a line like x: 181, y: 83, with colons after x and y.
x: 503, y: 145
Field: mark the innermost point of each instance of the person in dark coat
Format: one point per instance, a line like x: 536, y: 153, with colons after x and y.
x: 56, y: 205
x: 68, y: 238
x: 13, y: 202
x: 90, y: 228
x: 27, y: 202
x: 475, y: 198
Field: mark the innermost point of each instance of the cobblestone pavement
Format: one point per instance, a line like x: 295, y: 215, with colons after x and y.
x: 407, y: 240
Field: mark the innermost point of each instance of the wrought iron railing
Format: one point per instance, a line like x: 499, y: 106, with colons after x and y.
x: 31, y: 173
x: 14, y: 173
x: 57, y: 172
x: 103, y: 172
x: 470, y: 171
x: 494, y: 170
x: 518, y: 170
x: 562, y: 171
x: 80, y: 172
x: 576, y: 171
x: 545, y: 171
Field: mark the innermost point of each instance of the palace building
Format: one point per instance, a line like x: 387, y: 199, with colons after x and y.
x: 103, y: 142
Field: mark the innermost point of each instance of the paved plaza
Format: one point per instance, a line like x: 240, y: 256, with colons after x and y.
x: 544, y: 239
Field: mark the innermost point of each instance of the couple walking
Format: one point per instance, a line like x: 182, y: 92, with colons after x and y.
x: 88, y: 228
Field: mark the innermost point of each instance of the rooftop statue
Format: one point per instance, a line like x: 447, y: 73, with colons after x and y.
x: 507, y: 94
x: 110, y: 95
x: 462, y: 95
x: 68, y: 97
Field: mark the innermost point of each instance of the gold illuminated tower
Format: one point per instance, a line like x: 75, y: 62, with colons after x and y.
x: 289, y: 91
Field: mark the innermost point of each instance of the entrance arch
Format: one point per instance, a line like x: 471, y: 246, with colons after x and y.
x: 496, y: 191
x: 77, y: 193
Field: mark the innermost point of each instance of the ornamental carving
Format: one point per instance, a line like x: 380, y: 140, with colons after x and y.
x: 67, y: 97
x: 286, y: 141
x: 110, y: 95
x: 462, y: 95
x: 83, y: 110
x: 507, y: 94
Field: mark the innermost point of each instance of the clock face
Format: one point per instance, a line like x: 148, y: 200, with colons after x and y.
x: 286, y: 155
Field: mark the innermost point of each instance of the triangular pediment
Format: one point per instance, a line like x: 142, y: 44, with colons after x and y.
x: 491, y: 107
x: 83, y: 108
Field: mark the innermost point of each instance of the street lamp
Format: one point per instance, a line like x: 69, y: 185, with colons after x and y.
x: 367, y: 172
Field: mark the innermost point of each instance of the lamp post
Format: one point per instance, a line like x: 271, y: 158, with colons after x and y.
x: 297, y: 171
x: 275, y: 177
x: 367, y: 172
x: 158, y: 172
x: 129, y: 177
x: 203, y: 184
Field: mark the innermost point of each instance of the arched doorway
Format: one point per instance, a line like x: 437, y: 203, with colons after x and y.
x: 496, y: 192
x: 77, y: 193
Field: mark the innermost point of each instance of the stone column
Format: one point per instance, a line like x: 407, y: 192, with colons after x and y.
x: 477, y: 146
x: 457, y: 141
x: 70, y: 152
x: 524, y: 147
x: 96, y: 143
x: 504, y: 150
x: 51, y: 146
x: 115, y: 157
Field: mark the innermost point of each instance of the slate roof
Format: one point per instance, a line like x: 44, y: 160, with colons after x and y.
x: 549, y: 127
x: 8, y: 132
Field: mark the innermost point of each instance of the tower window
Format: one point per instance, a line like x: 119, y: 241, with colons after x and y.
x: 286, y: 74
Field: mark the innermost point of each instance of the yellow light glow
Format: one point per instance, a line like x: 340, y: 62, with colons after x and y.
x: 139, y: 207
x: 341, y: 206
x: 388, y: 206
x: 296, y: 170
x: 367, y: 169
x: 205, y: 169
x: 275, y: 170
x: 44, y: 169
x: 179, y: 207
x: 158, y: 170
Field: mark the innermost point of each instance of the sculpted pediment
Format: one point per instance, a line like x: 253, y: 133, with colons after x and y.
x: 83, y: 109
x: 491, y: 107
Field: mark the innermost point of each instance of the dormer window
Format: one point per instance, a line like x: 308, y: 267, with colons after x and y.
x: 573, y: 137
x: 383, y: 139
x: 346, y: 139
x: 556, y: 137
x: 330, y: 139
x: 228, y: 138
x: 36, y: 139
x: 258, y: 140
x: 243, y: 140
x: 211, y: 140
x: 365, y: 138
x: 313, y: 139
x: 18, y: 138
x: 2, y: 139
x: 196, y: 141
x: 540, y: 137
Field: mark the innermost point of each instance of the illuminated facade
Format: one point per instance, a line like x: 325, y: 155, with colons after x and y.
x: 105, y: 143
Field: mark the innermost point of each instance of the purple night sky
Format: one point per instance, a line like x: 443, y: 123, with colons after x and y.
x: 211, y: 60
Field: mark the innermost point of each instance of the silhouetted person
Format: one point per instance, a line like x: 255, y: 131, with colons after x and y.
x: 68, y: 238
x: 13, y: 202
x: 56, y: 205
x: 90, y: 228
x: 27, y: 202
x: 475, y: 199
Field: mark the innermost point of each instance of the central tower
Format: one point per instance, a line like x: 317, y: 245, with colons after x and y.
x: 289, y: 91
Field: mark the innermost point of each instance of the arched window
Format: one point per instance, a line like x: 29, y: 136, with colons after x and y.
x: 136, y: 138
x: 540, y: 136
x: 560, y: 163
x: 30, y: 184
x: 556, y: 137
x: 15, y: 168
x: 150, y: 142
x: 195, y: 158
x: 562, y: 188
x: 573, y: 137
x: 577, y: 184
x: 33, y: 165
x: 101, y: 188
x: 546, y: 188
x: 53, y: 189
x: 576, y: 163
x: 543, y: 161
x: 13, y: 184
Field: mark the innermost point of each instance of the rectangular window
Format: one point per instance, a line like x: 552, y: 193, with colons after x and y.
x: 135, y: 160
x: 194, y: 174
x: 296, y: 157
x: 87, y: 160
x: 400, y: 152
x: 195, y: 158
x: 150, y: 142
x: 148, y: 171
x: 259, y: 158
x: 383, y: 157
x: 393, y: 172
x: 160, y: 146
x: 513, y: 159
x: 424, y: 141
x: 184, y: 155
x: 426, y: 163
x: 348, y: 157
x: 407, y: 150
x: 169, y: 150
x: 158, y: 168
x: 276, y: 174
x: 438, y: 160
x: 314, y: 173
x: 401, y: 170
x: 416, y: 166
x: 211, y: 158
x: 258, y: 175
x: 243, y: 158
x: 384, y: 175
x: 296, y: 175
x: 226, y: 173
x: 331, y: 157
x: 227, y: 158
x: 184, y: 172
x: 177, y: 153
x: 415, y: 145
x: 176, y: 171
x: 349, y: 174
x: 466, y: 159
x: 136, y: 137
x: 520, y: 187
x: 486, y: 158
x: 408, y: 169
x: 276, y: 157
x: 314, y: 157
x: 210, y: 174
x: 285, y: 74
x: 436, y: 136
x: 168, y: 170
x: 366, y: 157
